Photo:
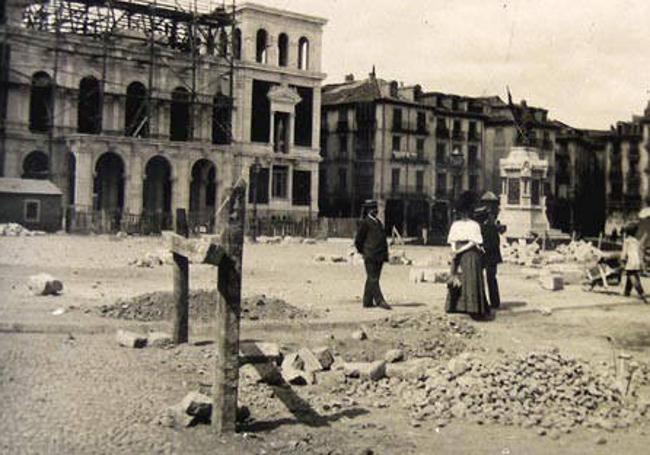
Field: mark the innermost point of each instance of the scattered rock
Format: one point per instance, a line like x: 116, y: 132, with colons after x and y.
x: 373, y: 371
x: 551, y: 282
x: 44, y: 284
x: 359, y: 335
x: 261, y: 373
x: 324, y: 356
x: 198, y: 405
x: 394, y: 355
x: 310, y: 362
x: 159, y: 340
x: 130, y: 339
x: 601, y: 441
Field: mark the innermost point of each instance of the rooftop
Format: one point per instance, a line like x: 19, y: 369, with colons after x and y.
x: 28, y: 186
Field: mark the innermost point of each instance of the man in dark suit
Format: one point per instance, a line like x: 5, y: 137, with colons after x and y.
x: 491, y: 229
x: 370, y: 241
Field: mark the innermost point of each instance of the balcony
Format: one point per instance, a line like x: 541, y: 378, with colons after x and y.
x: 410, y: 157
x: 458, y: 135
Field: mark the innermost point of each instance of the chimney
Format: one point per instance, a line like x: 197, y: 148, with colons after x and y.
x: 349, y: 77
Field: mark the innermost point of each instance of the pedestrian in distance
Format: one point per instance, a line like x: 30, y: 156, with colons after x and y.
x: 370, y: 242
x: 632, y: 255
x: 491, y: 231
x: 467, y: 287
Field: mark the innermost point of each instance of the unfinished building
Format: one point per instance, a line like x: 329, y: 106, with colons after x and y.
x: 135, y: 108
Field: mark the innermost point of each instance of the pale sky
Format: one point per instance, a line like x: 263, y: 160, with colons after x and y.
x: 586, y: 61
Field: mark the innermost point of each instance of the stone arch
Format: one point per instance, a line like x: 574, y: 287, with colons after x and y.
x: 203, y: 186
x: 40, y: 102
x: 303, y: 53
x: 157, y: 190
x: 136, y: 111
x: 108, y: 184
x: 36, y: 165
x: 89, y: 106
x: 261, y: 43
x: 283, y: 49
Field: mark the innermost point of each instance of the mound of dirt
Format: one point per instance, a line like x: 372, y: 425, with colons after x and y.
x: 159, y: 306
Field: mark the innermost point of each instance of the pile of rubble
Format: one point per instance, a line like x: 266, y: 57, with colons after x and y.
x: 286, y: 240
x: 530, y: 254
x: 16, y: 230
x: 545, y: 391
x: 159, y: 306
x: 354, y: 258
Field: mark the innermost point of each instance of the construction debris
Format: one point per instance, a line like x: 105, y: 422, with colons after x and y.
x: 428, y: 275
x: 194, y: 408
x: 551, y: 282
x: 44, y: 284
x: 160, y: 340
x: 16, y: 230
x: 130, y: 339
x: 529, y: 254
x: 399, y: 258
x: 151, y: 260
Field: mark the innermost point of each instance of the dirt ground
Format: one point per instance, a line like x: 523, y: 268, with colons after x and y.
x: 66, y: 387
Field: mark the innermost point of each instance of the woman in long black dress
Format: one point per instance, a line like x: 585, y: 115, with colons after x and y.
x: 467, y: 252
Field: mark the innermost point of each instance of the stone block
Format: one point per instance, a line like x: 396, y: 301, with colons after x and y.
x: 159, y: 340
x: 175, y: 417
x: 373, y: 371
x: 551, y: 282
x: 359, y: 335
x: 294, y: 376
x: 130, y: 339
x: 259, y: 352
x: 324, y: 356
x: 416, y: 275
x: 410, y: 369
x: 44, y: 284
x: 309, y: 360
x: 198, y: 405
x: 267, y: 373
x: 394, y: 355
x: 293, y: 361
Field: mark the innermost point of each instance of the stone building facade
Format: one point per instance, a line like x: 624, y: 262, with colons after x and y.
x: 392, y: 143
x: 133, y: 125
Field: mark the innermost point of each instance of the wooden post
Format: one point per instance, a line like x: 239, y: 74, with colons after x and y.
x: 181, y: 285
x: 226, y: 377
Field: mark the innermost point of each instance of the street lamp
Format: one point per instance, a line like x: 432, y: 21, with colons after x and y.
x: 456, y: 164
x: 256, y: 170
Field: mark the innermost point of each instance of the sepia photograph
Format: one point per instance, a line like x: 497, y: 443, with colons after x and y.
x: 329, y: 227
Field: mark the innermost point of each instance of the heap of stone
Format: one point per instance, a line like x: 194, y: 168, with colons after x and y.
x: 529, y: 254
x: 16, y: 230
x: 543, y: 390
x: 399, y: 258
x: 159, y: 306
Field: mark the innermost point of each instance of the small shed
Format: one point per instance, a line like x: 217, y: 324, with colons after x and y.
x: 34, y: 204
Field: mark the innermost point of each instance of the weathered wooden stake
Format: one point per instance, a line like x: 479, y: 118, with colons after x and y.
x: 181, y: 285
x: 226, y: 377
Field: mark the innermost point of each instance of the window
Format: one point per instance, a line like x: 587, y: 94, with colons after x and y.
x: 473, y: 182
x: 236, y: 44
x: 179, y: 115
x: 301, y: 188
x: 260, y: 47
x: 397, y: 119
x: 394, y: 183
x: 419, y: 181
x: 441, y: 183
x: 221, y: 119
x: 89, y: 106
x: 283, y: 49
x: 472, y: 155
x: 343, y: 146
x: 40, y: 103
x: 535, y: 192
x: 36, y: 166
x: 280, y: 181
x: 302, y: 125
x: 223, y: 44
x: 513, y: 191
x: 261, y: 112
x: 419, y: 147
x: 422, y: 122
x: 32, y: 210
x: 441, y: 154
x: 456, y: 125
x: 397, y: 143
x: 303, y: 53
x: 261, y: 190
x: 343, y: 179
x: 136, y: 117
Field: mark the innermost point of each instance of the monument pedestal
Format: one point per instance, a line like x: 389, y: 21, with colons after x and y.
x: 523, y: 204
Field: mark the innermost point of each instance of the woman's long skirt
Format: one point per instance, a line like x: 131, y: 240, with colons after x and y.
x: 471, y: 298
